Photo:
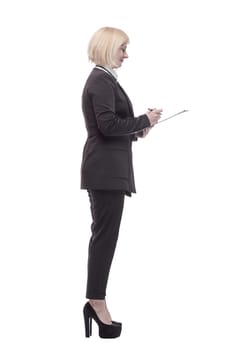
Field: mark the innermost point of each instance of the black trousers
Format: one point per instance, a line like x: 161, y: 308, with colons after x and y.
x: 106, y: 210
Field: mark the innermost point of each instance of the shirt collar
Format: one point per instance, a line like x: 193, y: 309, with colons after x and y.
x: 109, y: 70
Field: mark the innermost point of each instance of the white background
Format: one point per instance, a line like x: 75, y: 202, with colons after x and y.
x: 171, y: 279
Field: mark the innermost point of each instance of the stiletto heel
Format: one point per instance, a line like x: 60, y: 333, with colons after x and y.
x: 105, y: 330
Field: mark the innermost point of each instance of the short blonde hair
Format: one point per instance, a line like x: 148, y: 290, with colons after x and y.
x: 104, y: 44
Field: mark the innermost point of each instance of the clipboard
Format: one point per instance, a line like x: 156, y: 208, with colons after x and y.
x: 173, y: 115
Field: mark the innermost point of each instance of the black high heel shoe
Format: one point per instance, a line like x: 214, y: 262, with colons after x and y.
x: 105, y: 330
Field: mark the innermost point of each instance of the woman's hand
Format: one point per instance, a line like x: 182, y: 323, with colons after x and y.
x: 144, y: 132
x: 154, y: 115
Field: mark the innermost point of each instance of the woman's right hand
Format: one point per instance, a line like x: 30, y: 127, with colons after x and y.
x: 154, y: 115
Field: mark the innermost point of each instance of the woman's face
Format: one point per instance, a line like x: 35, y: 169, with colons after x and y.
x: 121, y: 55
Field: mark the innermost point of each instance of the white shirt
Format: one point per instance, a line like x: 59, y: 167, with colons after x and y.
x: 109, y: 70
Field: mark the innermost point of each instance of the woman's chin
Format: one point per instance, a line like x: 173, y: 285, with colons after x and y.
x: 119, y: 64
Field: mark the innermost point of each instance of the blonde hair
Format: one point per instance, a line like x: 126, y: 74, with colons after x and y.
x: 104, y: 44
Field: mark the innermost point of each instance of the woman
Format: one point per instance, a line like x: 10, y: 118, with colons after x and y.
x: 107, y: 169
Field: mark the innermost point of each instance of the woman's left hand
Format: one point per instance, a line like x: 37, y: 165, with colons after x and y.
x: 143, y: 133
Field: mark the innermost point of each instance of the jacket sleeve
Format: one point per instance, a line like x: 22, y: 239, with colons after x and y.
x: 109, y: 123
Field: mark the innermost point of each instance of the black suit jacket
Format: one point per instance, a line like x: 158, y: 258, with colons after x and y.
x: 111, y: 128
